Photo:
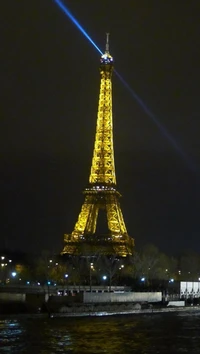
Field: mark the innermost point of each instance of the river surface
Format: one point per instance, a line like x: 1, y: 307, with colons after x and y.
x: 150, y: 333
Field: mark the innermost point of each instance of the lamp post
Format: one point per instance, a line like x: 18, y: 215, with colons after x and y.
x: 66, y: 278
x: 143, y: 279
x: 91, y: 268
x: 104, y: 277
x: 14, y: 275
x: 3, y: 271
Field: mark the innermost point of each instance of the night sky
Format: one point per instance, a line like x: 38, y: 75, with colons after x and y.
x: 49, y: 97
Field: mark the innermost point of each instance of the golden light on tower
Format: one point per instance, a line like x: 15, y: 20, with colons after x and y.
x: 101, y: 193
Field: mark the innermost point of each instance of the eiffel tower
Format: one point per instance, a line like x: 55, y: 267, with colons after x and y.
x: 101, y: 194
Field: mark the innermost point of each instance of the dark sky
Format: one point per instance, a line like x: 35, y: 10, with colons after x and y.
x: 49, y: 96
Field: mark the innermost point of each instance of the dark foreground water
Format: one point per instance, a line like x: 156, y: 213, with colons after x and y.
x: 157, y: 333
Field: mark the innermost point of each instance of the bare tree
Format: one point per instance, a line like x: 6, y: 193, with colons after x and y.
x: 110, y: 265
x: 43, y: 265
x: 190, y: 266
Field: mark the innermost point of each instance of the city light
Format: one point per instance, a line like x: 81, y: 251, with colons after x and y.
x: 13, y: 274
x: 92, y: 266
x: 66, y: 275
x: 104, y: 277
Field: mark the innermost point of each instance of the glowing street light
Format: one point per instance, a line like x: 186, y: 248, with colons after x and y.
x: 92, y: 266
x: 13, y: 274
x: 104, y: 277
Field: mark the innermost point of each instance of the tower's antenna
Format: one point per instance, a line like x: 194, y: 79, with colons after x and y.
x: 107, y: 42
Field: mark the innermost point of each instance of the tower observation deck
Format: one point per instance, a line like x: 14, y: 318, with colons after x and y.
x: 101, y: 195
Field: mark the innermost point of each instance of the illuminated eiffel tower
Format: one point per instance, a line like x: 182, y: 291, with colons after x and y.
x: 101, y: 194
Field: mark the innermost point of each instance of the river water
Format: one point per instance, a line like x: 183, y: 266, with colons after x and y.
x: 145, y: 334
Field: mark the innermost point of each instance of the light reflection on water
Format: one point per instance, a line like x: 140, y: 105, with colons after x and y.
x: 145, y: 334
x: 10, y: 332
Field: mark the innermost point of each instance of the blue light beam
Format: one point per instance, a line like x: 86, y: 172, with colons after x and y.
x: 72, y: 18
x: 151, y: 115
x: 134, y: 95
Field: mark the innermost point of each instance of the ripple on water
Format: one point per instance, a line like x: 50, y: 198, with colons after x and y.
x: 11, y: 332
x: 149, y: 334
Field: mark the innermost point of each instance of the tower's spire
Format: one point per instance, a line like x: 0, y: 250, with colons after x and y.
x: 107, y: 43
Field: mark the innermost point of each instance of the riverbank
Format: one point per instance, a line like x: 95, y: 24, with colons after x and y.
x: 130, y: 312
x: 151, y: 311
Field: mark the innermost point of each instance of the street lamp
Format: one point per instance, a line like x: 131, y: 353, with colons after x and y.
x: 13, y: 274
x: 104, y: 277
x: 66, y: 276
x: 91, y: 268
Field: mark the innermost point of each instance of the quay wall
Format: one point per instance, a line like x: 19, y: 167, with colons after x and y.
x: 82, y: 302
x: 122, y: 297
x: 12, y: 297
x: 84, y: 297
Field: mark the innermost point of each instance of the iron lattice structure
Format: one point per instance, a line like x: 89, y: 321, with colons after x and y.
x: 101, y: 193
